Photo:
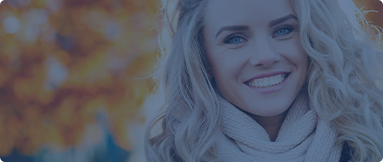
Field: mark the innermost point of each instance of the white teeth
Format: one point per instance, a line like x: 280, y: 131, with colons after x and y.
x: 268, y: 81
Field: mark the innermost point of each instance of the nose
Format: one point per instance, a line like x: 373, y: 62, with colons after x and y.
x: 263, y: 54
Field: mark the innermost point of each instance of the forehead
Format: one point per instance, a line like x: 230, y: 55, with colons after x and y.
x: 226, y: 12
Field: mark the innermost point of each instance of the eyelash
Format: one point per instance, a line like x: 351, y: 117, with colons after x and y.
x: 227, y: 41
x: 289, y: 28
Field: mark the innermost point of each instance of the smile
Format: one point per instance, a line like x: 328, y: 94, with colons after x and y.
x: 268, y: 88
x: 267, y: 81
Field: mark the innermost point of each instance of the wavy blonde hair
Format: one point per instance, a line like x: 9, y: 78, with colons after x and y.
x: 344, y: 81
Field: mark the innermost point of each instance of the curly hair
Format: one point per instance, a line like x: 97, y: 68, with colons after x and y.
x: 344, y: 80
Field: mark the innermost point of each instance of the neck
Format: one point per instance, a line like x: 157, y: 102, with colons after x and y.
x: 271, y: 124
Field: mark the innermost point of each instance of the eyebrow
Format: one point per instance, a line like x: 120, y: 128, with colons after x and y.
x: 232, y: 28
x: 281, y: 20
x: 245, y: 27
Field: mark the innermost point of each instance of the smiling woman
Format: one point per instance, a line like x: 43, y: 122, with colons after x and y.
x: 267, y: 80
x: 257, y: 61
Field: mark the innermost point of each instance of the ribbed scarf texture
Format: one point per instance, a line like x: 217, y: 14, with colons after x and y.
x: 303, y: 136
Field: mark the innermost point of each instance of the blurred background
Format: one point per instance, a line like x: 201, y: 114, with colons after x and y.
x: 74, y: 78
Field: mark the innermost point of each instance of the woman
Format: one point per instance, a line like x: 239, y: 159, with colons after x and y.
x: 266, y: 80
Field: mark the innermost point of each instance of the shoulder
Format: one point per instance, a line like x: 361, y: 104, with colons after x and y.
x: 346, y: 153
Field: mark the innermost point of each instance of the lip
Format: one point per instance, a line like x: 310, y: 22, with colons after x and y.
x: 267, y: 75
x: 272, y: 89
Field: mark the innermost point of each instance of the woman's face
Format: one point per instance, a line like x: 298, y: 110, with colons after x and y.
x: 254, y: 51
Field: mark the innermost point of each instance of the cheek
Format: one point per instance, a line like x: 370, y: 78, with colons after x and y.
x: 301, y: 57
x: 221, y: 71
x: 301, y: 54
x: 293, y: 51
x: 225, y: 72
x: 224, y: 63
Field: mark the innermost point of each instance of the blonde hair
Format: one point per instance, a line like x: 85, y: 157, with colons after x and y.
x: 343, y: 81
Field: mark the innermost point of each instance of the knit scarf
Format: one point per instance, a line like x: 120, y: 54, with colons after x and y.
x: 303, y: 136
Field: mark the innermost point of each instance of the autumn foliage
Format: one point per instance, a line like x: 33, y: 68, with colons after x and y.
x: 63, y: 62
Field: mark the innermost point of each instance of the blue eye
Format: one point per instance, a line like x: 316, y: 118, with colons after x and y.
x: 234, y: 40
x: 283, y: 31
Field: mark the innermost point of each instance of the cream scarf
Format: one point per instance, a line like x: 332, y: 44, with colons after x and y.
x: 303, y: 137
